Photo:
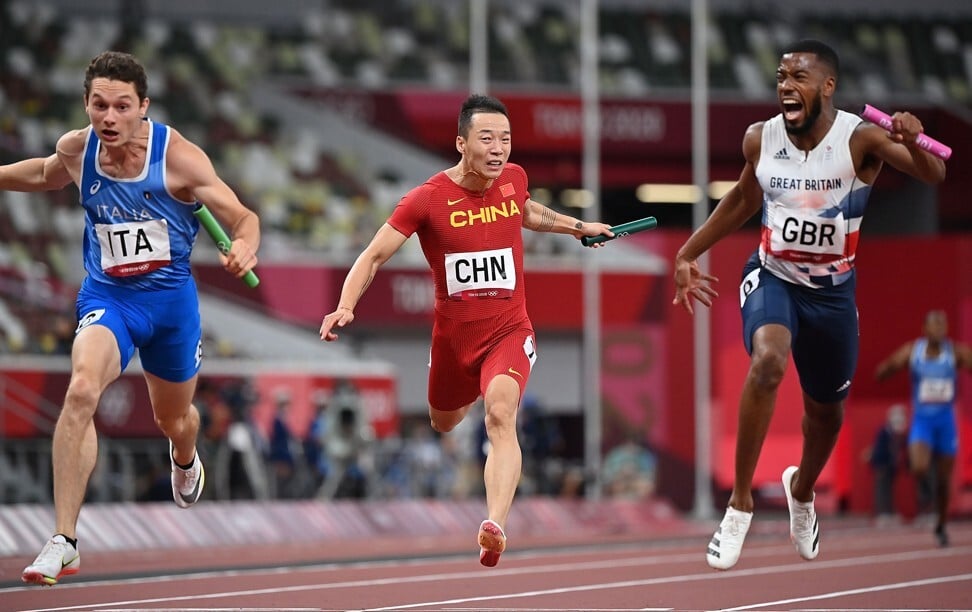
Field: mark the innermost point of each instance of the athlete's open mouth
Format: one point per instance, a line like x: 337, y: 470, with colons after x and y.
x: 792, y: 109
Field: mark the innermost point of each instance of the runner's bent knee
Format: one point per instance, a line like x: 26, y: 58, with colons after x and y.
x: 173, y: 426
x: 500, y: 419
x: 767, y: 368
x: 444, y: 421
x: 81, y: 399
x: 443, y: 425
x: 826, y: 418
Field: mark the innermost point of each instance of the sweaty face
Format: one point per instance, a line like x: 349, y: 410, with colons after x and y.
x: 487, y: 147
x: 114, y: 110
x: 800, y: 80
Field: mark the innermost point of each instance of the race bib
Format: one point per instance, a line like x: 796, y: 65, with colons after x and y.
x: 130, y: 249
x: 481, y: 274
x: 797, y: 236
x: 936, y: 390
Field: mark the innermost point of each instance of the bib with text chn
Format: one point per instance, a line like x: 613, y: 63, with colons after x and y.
x: 480, y: 274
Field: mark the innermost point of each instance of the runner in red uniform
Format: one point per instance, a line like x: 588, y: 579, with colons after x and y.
x: 469, y: 220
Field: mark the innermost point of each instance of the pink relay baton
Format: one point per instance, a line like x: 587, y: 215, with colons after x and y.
x: 925, y: 142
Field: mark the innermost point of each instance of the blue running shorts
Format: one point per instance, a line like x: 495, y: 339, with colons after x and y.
x: 163, y: 325
x: 822, y: 322
x: 937, y: 430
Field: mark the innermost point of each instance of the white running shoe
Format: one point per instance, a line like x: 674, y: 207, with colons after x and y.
x: 187, y: 485
x: 804, y: 529
x: 57, y: 558
x: 727, y: 542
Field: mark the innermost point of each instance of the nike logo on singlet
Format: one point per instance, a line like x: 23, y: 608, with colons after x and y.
x: 454, y: 202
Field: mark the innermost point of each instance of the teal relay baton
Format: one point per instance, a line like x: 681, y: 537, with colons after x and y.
x: 625, y: 229
x: 223, y: 242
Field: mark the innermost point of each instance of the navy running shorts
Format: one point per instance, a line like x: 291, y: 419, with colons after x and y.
x: 822, y: 322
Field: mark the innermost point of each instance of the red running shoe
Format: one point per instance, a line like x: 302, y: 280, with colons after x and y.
x: 492, y: 543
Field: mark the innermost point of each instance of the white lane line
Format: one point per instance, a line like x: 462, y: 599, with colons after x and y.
x: 655, y: 557
x: 909, y: 557
x: 861, y: 591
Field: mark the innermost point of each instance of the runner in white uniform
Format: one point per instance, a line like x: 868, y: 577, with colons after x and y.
x: 809, y: 171
x: 813, y: 204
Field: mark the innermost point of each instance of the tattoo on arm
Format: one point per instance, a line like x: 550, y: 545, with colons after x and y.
x: 547, y: 218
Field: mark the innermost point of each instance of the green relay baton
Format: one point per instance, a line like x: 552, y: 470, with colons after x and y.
x: 223, y: 242
x: 625, y: 229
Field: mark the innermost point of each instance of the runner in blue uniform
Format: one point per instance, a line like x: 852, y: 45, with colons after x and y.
x: 139, y: 182
x: 934, y: 361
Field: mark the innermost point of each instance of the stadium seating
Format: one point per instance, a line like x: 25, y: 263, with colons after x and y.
x: 318, y: 202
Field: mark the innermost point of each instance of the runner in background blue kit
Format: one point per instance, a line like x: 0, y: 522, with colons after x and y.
x: 809, y: 171
x: 139, y: 182
x: 934, y: 361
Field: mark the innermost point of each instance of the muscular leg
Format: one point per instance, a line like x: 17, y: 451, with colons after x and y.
x: 175, y: 415
x: 95, y: 363
x: 919, y: 458
x: 444, y: 421
x: 943, y: 473
x: 771, y: 351
x: 821, y: 424
x: 504, y: 461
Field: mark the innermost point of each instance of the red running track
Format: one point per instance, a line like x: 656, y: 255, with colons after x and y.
x: 859, y: 568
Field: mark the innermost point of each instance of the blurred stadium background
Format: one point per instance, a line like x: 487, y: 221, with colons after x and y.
x: 321, y: 114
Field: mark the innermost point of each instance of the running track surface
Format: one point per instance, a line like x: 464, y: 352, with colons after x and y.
x: 860, y: 567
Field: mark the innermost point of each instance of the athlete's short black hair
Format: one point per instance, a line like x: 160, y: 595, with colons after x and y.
x: 824, y: 52
x: 478, y: 103
x: 117, y: 66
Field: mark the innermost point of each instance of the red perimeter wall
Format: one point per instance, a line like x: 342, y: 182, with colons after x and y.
x: 648, y: 365
x: 899, y: 279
